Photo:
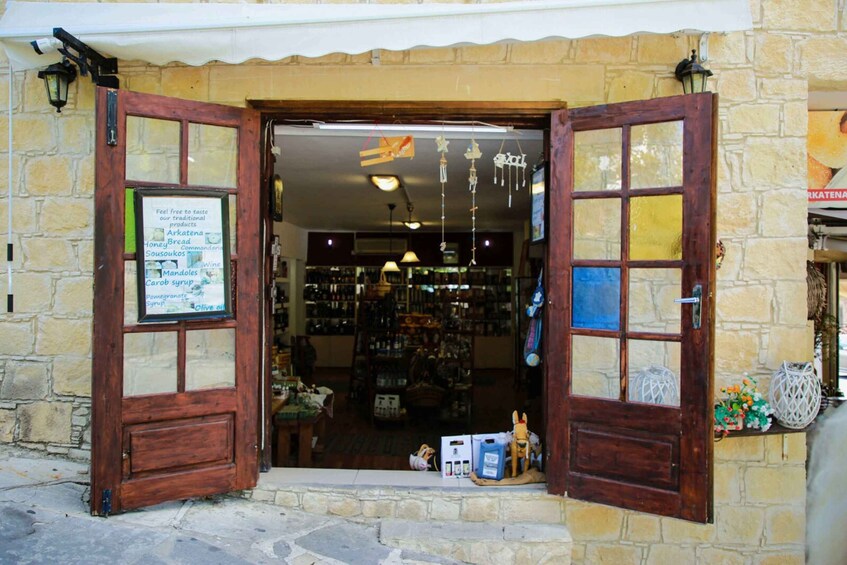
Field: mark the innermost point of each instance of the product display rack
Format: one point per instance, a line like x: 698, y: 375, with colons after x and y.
x: 329, y: 295
x: 281, y: 303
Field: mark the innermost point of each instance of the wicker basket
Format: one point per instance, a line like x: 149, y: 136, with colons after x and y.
x: 424, y: 395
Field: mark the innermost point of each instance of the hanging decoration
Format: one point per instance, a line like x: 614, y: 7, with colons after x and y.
x: 504, y: 161
x: 472, y: 154
x: 441, y: 143
x: 389, y: 148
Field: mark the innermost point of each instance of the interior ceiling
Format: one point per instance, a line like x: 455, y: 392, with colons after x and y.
x: 327, y: 189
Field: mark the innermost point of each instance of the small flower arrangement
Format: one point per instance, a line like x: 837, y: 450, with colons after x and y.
x: 743, y: 407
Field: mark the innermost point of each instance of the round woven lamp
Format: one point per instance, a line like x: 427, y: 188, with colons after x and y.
x: 654, y: 385
x: 795, y: 394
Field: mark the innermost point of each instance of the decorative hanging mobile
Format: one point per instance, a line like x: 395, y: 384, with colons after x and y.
x: 513, y: 162
x: 388, y: 149
x: 473, y: 153
x: 441, y: 143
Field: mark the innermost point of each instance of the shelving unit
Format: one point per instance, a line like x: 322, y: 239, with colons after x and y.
x: 329, y: 297
x: 282, y: 301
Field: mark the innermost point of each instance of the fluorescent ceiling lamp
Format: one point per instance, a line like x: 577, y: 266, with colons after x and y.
x: 414, y: 127
x: 388, y: 183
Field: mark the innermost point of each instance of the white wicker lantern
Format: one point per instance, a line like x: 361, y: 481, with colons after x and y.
x: 654, y: 385
x: 795, y: 394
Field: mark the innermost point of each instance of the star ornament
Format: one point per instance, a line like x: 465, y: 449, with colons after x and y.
x: 442, y: 143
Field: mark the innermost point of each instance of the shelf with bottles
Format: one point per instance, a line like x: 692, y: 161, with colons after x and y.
x: 326, y: 276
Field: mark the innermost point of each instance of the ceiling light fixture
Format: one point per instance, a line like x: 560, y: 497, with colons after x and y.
x: 470, y: 128
x: 387, y: 183
x: 390, y: 265
x: 411, y: 224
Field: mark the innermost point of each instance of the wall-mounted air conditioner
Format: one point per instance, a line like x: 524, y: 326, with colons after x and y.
x: 379, y: 246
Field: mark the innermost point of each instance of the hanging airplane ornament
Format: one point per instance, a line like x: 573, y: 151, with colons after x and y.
x: 441, y: 145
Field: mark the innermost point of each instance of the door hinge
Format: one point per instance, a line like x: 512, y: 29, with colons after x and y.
x: 112, y: 117
x: 106, y: 505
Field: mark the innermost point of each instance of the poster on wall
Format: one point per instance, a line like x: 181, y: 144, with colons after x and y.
x: 827, y: 159
x: 538, y: 191
x: 183, y: 255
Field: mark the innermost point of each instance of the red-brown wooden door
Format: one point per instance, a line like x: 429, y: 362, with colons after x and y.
x: 174, y: 402
x: 630, y: 277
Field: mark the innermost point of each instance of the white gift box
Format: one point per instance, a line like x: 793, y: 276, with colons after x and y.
x: 456, y: 457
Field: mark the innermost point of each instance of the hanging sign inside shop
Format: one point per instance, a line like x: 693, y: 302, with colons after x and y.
x: 183, y: 255
x: 827, y: 159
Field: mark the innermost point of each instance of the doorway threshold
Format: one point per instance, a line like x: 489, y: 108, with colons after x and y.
x: 286, y: 477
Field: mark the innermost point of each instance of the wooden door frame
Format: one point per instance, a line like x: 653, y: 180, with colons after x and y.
x: 519, y: 114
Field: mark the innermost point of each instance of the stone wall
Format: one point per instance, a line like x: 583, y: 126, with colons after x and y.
x: 763, y: 77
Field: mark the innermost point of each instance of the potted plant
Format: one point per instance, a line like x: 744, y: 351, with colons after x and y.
x: 742, y: 407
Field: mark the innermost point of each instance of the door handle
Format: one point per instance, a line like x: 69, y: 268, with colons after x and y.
x: 696, y: 295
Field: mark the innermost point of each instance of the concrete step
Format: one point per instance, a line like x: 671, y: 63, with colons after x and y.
x: 483, y: 542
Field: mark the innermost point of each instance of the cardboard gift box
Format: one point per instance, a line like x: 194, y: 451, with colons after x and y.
x: 456, y: 457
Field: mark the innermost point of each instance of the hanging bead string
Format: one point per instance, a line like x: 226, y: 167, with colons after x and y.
x: 522, y: 165
x: 442, y: 143
x: 498, y: 163
x: 473, y: 153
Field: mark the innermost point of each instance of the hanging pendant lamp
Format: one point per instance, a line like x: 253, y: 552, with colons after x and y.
x: 390, y: 265
x: 410, y: 256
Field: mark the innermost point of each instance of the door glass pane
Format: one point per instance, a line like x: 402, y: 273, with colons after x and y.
x: 233, y: 224
x: 130, y: 293
x: 595, y: 366
x: 655, y: 227
x: 209, y: 359
x: 149, y: 363
x: 597, y: 228
x: 212, y: 155
x: 597, y: 160
x: 129, y: 221
x: 654, y: 369
x: 651, y: 300
x: 656, y: 155
x: 596, y: 298
x: 152, y: 150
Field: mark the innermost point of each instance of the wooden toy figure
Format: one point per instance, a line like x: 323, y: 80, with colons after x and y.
x: 520, y: 447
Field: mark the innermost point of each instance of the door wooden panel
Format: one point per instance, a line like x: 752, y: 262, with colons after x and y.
x: 149, y: 448
x: 623, y: 253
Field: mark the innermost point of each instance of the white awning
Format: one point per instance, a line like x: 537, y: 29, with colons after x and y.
x: 196, y: 34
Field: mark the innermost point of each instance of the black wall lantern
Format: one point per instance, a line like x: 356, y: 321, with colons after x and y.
x: 692, y: 75
x: 58, y: 76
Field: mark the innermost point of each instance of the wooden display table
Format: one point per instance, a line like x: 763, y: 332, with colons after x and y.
x: 305, y: 429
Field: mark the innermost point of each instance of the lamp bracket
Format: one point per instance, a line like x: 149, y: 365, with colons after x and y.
x: 704, y: 47
x: 88, y: 60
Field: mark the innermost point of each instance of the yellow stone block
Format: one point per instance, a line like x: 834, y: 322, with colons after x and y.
x: 786, y: 557
x: 190, y: 83
x: 786, y: 485
x: 287, y: 499
x: 388, y: 57
x: 67, y: 216
x: 668, y: 87
x: 76, y: 134
x: 45, y: 422
x: 613, y: 554
x: 727, y: 483
x: 7, y: 426
x: 737, y: 215
x: 432, y: 56
x: 46, y: 176
x: 681, y: 531
x: 774, y: 163
x: 85, y: 254
x: 728, y: 48
x: 23, y: 215
x: 736, y: 352
x: 736, y: 85
x: 148, y: 83
x: 791, y: 305
x: 784, y: 89
x: 774, y: 53
x: 52, y: 254
x: 785, y: 524
x: 545, y: 511
x: 754, y: 118
x: 411, y: 510
x: 775, y: 259
x: 739, y: 525
x: 661, y: 554
x: 642, y: 527
x: 593, y: 521
x: 795, y: 119
x: 74, y: 295
x: 31, y: 132
x: 606, y: 50
x: 745, y: 304
x: 786, y: 343
x: 33, y: 291
x: 481, y: 54
x: 72, y: 376
x: 783, y: 213
x: 813, y: 63
x: 540, y: 52
x: 736, y: 449
x: 85, y: 176
x: 714, y: 556
x: 809, y: 15
x: 479, y: 509
x: 655, y: 49
x: 631, y: 85
x: 63, y: 337
x: 378, y: 508
x: 32, y: 92
x: 16, y: 338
